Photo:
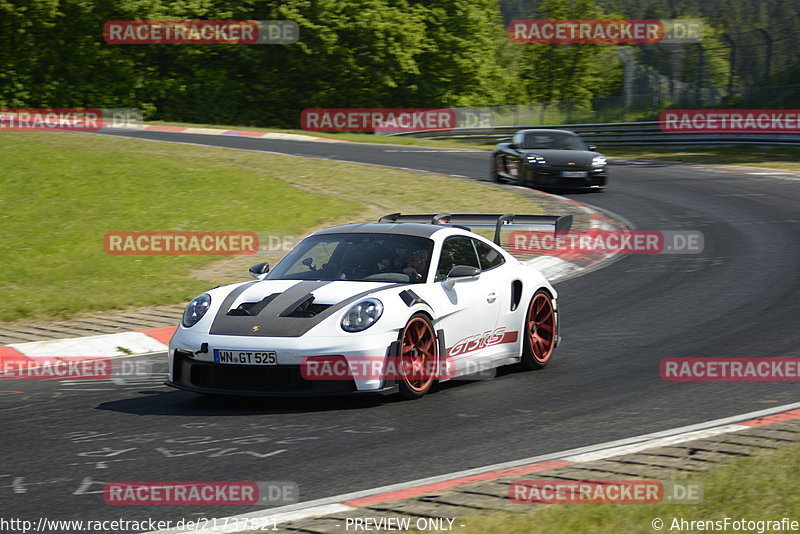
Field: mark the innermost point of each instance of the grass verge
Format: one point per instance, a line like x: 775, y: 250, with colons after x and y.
x: 60, y: 193
x: 787, y: 159
x: 757, y: 488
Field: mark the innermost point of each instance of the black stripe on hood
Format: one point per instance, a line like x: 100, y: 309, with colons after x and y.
x: 273, y: 320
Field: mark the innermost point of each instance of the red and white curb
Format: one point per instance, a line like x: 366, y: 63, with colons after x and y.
x: 351, y: 501
x: 152, y: 340
x: 238, y: 133
x: 565, y: 266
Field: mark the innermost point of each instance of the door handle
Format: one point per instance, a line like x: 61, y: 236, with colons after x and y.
x: 491, y: 297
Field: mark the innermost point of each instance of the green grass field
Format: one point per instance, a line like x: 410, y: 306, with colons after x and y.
x: 762, y: 487
x: 60, y: 193
x: 786, y: 158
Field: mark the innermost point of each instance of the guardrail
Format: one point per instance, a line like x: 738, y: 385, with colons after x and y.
x: 619, y: 133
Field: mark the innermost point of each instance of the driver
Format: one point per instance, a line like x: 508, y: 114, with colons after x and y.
x: 415, y: 265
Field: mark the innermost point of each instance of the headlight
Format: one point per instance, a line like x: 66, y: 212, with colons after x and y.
x: 196, y: 309
x: 598, y: 161
x: 534, y: 158
x: 362, y: 315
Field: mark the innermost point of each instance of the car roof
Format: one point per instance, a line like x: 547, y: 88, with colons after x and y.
x: 548, y: 131
x: 413, y: 229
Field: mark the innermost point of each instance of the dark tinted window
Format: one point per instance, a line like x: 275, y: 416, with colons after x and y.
x: 488, y: 256
x: 457, y: 250
x: 553, y: 141
x: 356, y: 256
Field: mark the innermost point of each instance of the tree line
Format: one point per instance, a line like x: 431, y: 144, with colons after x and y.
x: 351, y: 53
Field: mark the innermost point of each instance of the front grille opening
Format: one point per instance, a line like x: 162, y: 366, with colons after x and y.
x: 250, y: 378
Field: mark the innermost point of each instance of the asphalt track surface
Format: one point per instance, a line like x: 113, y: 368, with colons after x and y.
x: 740, y: 297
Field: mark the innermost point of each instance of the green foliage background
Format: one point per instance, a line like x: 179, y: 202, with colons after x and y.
x: 352, y: 53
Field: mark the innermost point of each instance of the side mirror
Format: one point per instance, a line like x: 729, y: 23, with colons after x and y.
x: 592, y: 148
x: 461, y: 273
x: 259, y: 268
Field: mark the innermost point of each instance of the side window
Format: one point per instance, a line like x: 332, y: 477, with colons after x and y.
x: 516, y: 140
x: 456, y: 250
x: 488, y: 256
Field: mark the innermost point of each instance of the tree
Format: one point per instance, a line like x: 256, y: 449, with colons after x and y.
x: 553, y: 71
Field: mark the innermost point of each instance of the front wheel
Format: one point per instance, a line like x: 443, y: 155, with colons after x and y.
x: 493, y: 174
x: 539, y: 331
x: 417, y: 358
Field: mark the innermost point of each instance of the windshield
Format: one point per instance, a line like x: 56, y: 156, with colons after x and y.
x: 359, y: 257
x: 553, y: 141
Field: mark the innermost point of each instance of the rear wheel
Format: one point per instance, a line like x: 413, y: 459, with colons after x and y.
x: 417, y: 358
x: 539, y: 331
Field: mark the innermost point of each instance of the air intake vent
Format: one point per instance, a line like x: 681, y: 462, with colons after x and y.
x: 252, y: 309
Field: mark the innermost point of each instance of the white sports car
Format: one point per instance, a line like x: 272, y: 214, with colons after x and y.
x: 387, y: 307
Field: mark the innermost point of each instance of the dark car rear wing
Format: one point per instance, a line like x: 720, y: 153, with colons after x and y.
x: 555, y: 223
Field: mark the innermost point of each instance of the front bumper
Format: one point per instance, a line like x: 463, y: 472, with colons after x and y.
x: 192, y: 369
x: 550, y: 177
x: 249, y: 380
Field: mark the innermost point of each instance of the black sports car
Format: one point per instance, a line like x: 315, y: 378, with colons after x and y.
x: 549, y: 159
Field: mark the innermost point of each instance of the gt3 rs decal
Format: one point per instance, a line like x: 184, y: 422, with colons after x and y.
x: 475, y: 342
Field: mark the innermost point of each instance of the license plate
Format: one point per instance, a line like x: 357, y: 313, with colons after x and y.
x: 244, y: 357
x: 573, y: 174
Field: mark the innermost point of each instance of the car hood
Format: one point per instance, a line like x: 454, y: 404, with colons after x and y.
x: 581, y: 158
x: 286, y: 308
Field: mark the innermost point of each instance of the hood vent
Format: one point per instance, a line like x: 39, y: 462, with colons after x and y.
x: 252, y: 309
x: 304, y: 308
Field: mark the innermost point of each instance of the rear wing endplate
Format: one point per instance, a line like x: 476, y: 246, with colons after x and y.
x: 554, y: 223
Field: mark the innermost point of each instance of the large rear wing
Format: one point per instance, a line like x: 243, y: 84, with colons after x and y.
x: 554, y: 223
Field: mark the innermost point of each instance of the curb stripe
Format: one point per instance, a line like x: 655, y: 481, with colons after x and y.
x: 768, y: 420
x: 239, y: 133
x: 104, y: 345
x: 10, y: 354
x: 455, y: 482
x: 162, y: 334
x: 243, y: 133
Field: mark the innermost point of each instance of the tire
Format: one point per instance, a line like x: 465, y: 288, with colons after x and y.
x: 418, y: 351
x: 540, y: 330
